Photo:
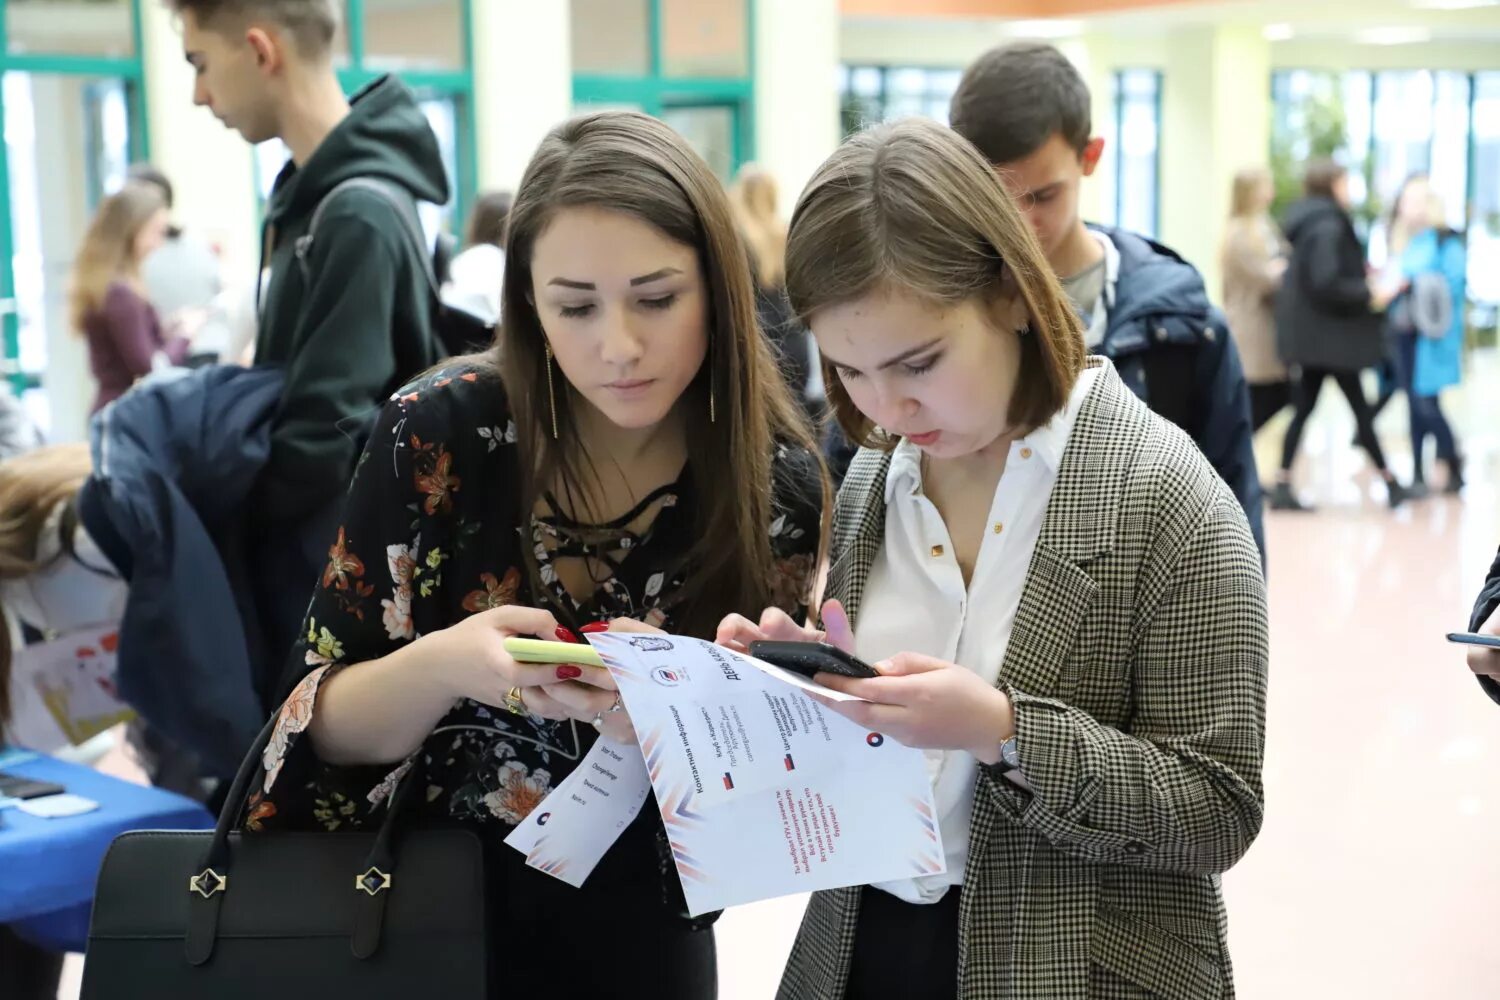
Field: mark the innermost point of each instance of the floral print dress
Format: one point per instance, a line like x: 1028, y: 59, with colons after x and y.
x: 432, y: 533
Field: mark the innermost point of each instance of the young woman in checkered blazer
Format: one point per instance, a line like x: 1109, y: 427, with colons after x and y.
x: 1062, y: 598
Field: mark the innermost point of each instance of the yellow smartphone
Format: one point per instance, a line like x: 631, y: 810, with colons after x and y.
x: 549, y: 651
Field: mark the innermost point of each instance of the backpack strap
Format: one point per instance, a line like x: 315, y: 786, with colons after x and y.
x: 406, y: 211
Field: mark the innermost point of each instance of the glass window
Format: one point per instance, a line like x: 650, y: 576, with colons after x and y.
x: 705, y: 38
x: 53, y: 193
x: 709, y: 129
x: 1484, y: 225
x: 611, y: 37
x: 1450, y: 146
x: 70, y: 27
x: 1137, y: 149
x: 881, y: 93
x: 1403, y: 131
x: 414, y: 34
x: 865, y: 81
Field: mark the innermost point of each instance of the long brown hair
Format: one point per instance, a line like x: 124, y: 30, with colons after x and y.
x: 753, y: 198
x: 913, y: 206
x: 31, y: 487
x: 108, y: 251
x: 628, y: 162
x: 1248, y: 220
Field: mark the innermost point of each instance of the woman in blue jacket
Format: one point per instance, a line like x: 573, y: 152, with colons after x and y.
x: 1429, y: 331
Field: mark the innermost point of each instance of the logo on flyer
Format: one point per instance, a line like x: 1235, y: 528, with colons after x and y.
x: 669, y: 676
x: 874, y: 739
x: 543, y: 818
x: 651, y: 643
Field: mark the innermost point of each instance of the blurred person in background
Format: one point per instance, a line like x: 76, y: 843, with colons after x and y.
x: 1253, y: 262
x: 1430, y: 262
x: 182, y: 279
x: 53, y: 578
x: 1328, y: 321
x: 754, y: 199
x: 107, y: 298
x: 475, y: 275
x: 1028, y: 110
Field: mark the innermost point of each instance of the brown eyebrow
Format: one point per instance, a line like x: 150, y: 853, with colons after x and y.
x: 589, y: 286
x: 903, y: 356
x: 646, y: 279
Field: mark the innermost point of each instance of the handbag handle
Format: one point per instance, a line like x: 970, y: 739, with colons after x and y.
x: 208, y: 887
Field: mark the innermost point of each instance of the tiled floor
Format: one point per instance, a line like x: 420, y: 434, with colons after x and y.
x: 1377, y: 875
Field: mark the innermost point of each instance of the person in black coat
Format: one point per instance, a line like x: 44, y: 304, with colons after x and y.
x: 1486, y: 620
x: 1328, y: 321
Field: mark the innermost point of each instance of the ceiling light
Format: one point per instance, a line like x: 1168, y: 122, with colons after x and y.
x: 1045, y: 29
x: 1393, y: 36
x: 1453, y: 4
x: 1277, y: 32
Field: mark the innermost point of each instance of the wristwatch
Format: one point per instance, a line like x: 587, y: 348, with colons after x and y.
x: 1010, y: 758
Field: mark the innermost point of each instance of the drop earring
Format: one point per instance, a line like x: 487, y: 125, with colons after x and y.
x: 551, y: 396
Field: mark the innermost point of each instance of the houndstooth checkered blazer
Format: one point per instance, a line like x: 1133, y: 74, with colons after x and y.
x: 1137, y: 668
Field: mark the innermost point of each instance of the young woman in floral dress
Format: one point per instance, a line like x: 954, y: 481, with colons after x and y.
x: 627, y: 454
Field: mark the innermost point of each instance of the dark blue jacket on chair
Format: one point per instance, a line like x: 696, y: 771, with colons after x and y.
x: 1172, y: 347
x: 173, y: 465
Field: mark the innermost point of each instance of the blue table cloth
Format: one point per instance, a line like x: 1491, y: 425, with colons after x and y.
x: 48, y: 867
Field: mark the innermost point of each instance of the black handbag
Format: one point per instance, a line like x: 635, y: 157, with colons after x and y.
x: 397, y: 913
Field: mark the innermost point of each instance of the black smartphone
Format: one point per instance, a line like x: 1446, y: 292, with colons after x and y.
x: 808, y: 658
x: 1475, y: 639
x: 13, y: 786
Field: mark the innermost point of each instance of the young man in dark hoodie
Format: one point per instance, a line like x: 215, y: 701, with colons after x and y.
x: 1027, y: 109
x: 354, y: 319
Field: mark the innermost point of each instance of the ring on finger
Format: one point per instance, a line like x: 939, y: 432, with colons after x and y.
x: 617, y: 706
x: 515, y: 704
x: 598, y: 721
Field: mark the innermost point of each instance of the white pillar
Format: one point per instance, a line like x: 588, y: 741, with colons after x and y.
x: 523, y: 82
x: 209, y: 165
x: 1215, y: 120
x: 1092, y: 55
x: 796, y: 90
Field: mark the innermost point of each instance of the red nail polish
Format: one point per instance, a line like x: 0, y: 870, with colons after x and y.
x: 567, y: 672
x: 593, y: 627
x: 565, y: 634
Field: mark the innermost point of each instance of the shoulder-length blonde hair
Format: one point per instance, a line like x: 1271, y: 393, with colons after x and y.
x: 108, y: 251
x: 31, y: 487
x: 753, y: 198
x: 739, y: 408
x: 1249, y: 224
x: 913, y: 206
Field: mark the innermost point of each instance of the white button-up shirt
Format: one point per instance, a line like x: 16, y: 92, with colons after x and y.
x: 915, y: 600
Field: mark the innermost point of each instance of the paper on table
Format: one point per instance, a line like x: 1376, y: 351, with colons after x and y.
x: 64, y: 690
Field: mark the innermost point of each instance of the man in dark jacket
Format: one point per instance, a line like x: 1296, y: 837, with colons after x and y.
x: 1486, y: 620
x: 350, y: 317
x: 1027, y: 109
x: 1328, y: 322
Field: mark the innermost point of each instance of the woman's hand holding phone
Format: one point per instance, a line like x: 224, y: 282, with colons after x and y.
x: 737, y: 632
x: 1483, y: 661
x: 584, y: 691
x: 921, y: 701
x: 929, y: 704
